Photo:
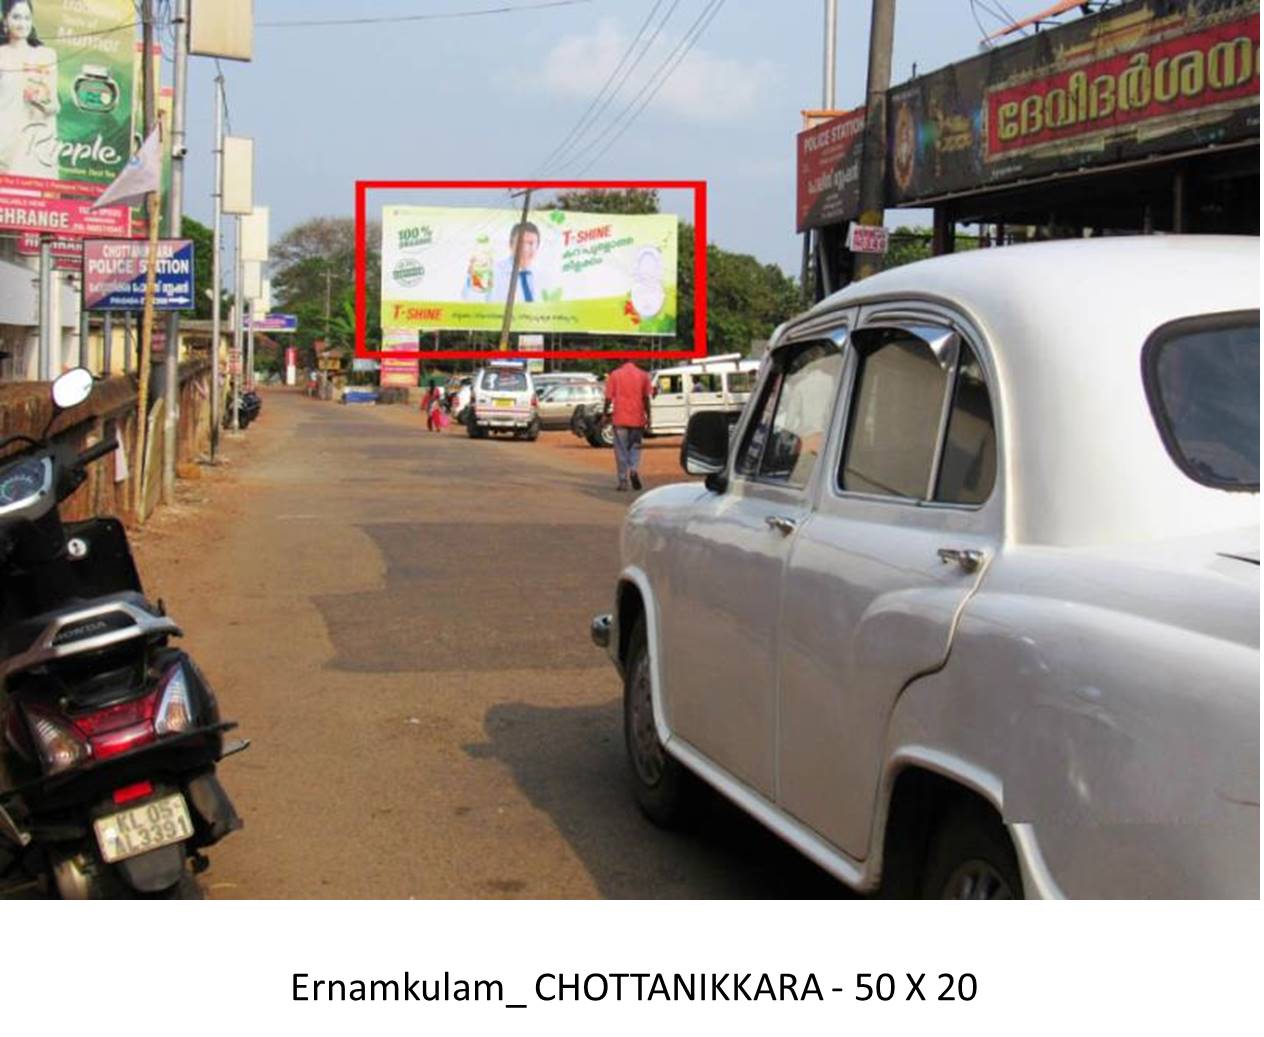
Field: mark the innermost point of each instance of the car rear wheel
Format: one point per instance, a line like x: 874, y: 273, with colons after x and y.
x: 664, y: 790
x: 606, y: 434
x: 533, y: 430
x: 972, y: 858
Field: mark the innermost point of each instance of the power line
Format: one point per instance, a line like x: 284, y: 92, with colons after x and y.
x: 656, y: 80
x: 584, y: 123
x: 384, y: 19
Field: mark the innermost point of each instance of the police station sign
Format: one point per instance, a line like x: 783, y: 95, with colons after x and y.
x: 114, y: 274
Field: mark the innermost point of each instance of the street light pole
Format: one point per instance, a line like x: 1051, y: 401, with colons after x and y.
x: 175, y: 207
x: 216, y: 273
x: 872, y: 159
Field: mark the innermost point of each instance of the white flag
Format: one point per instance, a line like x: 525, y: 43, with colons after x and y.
x: 142, y: 174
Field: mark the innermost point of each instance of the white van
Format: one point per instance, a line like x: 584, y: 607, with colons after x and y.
x: 717, y: 383
x: 504, y: 400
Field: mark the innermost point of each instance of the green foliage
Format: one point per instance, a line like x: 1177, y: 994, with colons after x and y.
x: 910, y: 244
x: 634, y: 201
x: 203, y: 257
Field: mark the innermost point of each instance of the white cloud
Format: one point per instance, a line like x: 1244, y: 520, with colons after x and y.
x: 703, y: 88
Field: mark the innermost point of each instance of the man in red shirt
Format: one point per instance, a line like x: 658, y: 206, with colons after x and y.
x: 628, y: 392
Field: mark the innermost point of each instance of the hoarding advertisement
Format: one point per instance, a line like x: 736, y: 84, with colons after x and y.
x: 1149, y: 77
x: 63, y: 217
x: 599, y: 273
x: 829, y: 171
x: 114, y: 275
x: 66, y: 98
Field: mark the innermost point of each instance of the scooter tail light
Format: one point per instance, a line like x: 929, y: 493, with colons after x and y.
x: 175, y: 703
x: 58, y: 745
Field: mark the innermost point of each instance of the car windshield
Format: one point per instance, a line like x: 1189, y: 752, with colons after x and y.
x: 1203, y: 378
x: 504, y: 381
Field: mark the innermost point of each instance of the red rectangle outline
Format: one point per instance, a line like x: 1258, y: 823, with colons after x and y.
x: 699, y: 188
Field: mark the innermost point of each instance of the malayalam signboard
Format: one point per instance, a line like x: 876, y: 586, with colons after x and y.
x: 61, y: 217
x: 66, y: 99
x: 829, y: 171
x: 273, y: 323
x: 872, y: 240
x: 399, y: 371
x: 1148, y: 77
x: 114, y: 274
x: 600, y: 273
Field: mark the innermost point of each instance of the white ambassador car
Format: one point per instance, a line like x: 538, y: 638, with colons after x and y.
x: 969, y: 603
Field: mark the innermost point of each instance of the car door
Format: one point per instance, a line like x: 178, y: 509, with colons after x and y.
x: 720, y: 617
x: 556, y: 406
x: 667, y: 407
x: 903, y: 530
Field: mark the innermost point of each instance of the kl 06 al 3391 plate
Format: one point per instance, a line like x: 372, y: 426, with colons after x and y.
x: 143, y: 828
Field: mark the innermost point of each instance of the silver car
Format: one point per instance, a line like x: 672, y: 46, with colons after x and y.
x: 558, y: 402
x: 968, y: 604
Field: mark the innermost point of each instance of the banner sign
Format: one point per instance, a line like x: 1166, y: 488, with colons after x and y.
x: 67, y: 252
x: 398, y: 371
x: 867, y: 239
x: 600, y: 273
x: 829, y: 171
x: 275, y: 323
x: 1145, y: 78
x: 66, y: 103
x: 62, y: 217
x: 114, y: 275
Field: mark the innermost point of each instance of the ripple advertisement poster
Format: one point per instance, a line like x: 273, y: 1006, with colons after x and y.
x: 598, y: 273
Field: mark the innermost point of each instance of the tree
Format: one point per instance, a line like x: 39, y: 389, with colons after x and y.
x: 633, y: 201
x: 203, y: 254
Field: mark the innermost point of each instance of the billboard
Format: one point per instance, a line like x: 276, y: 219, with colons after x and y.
x: 1145, y: 78
x: 599, y: 273
x: 829, y: 171
x: 114, y: 274
x: 66, y: 97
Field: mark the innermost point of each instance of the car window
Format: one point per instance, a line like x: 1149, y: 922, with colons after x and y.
x: 741, y: 381
x: 967, y: 469
x: 1203, y: 382
x: 670, y: 383
x: 893, y: 423
x: 504, y: 381
x: 707, y: 383
x: 791, y: 419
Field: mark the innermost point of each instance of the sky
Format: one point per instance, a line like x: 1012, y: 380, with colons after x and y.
x: 493, y: 97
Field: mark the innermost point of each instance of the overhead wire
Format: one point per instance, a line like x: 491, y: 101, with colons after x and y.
x: 655, y: 83
x: 584, y: 122
x: 431, y: 17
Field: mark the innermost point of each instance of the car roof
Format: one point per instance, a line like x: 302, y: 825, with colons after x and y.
x: 1065, y: 324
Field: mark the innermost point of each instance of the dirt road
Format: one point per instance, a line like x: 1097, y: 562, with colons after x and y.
x: 399, y: 622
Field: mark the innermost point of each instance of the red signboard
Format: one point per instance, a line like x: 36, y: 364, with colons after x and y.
x: 867, y: 239
x: 63, y: 217
x: 829, y: 170
x: 1182, y: 74
x: 41, y: 187
x: 67, y: 252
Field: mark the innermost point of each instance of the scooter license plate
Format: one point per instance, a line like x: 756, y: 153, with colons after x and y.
x: 143, y: 828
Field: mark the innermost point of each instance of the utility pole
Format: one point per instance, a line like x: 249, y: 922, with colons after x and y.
x: 872, y: 159
x: 151, y: 265
x: 513, y: 276
x: 175, y: 207
x: 819, y: 244
x: 237, y: 365
x: 216, y: 273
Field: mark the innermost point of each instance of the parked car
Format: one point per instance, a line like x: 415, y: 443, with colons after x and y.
x: 719, y: 383
x: 559, y: 401
x: 504, y: 400
x: 547, y: 380
x: 969, y: 604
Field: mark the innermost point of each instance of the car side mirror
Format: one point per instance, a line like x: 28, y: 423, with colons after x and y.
x: 705, y: 449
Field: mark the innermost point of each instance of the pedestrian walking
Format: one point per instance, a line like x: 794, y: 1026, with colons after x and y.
x: 628, y: 392
x: 432, y: 404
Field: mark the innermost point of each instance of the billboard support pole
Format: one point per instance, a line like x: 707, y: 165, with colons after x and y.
x: 249, y: 370
x: 107, y: 351
x: 881, y: 42
x: 46, y: 308
x: 217, y: 275
x: 513, y: 275
x: 175, y: 205
x: 84, y: 356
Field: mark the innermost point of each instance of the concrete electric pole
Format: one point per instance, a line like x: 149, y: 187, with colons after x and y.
x: 872, y: 164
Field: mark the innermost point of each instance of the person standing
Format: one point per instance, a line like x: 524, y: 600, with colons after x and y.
x: 628, y: 392
x: 432, y: 404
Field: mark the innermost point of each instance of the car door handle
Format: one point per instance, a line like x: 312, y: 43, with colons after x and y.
x: 968, y: 558
x: 784, y: 526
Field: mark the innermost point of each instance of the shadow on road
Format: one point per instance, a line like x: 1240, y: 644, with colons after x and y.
x: 569, y: 761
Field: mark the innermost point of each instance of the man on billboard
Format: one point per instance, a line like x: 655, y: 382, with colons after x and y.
x: 28, y: 95
x: 533, y: 284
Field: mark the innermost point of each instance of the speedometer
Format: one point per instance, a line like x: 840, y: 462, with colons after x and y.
x: 20, y: 483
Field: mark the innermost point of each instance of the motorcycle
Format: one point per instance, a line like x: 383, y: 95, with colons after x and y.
x: 108, y: 783
x: 590, y: 423
x: 247, y: 410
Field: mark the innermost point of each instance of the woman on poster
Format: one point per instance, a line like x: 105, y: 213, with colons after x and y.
x: 28, y: 95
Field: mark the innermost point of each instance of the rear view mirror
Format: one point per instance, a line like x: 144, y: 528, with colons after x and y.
x: 72, y: 388
x: 705, y: 449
